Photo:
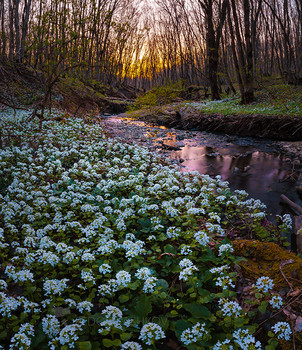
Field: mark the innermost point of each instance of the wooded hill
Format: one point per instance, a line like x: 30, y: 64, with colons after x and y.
x: 227, y: 43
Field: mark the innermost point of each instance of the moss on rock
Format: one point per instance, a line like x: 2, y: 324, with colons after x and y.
x: 268, y: 259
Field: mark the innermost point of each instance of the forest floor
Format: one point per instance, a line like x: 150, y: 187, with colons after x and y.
x: 76, y: 168
x: 275, y: 114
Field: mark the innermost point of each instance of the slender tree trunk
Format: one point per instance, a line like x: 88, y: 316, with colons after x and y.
x: 3, y: 36
x: 17, y: 29
x: 27, y: 7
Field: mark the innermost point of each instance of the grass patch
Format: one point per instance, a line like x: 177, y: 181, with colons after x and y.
x: 276, y: 100
x: 283, y: 100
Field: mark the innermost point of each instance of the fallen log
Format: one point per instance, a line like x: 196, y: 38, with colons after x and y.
x: 295, y: 206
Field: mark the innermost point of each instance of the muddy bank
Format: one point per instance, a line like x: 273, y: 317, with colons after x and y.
x: 258, y: 126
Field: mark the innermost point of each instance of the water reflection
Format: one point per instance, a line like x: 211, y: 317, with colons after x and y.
x: 263, y: 175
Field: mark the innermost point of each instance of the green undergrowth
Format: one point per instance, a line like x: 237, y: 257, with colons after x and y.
x: 106, y: 245
x: 279, y: 100
x: 276, y: 100
x: 158, y: 96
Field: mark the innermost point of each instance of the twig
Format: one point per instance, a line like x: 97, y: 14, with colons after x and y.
x: 283, y: 263
x: 294, y: 279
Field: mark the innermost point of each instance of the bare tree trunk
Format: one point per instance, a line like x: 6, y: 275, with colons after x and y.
x: 26, y: 13
x: 17, y: 29
x: 213, y: 42
x: 11, y: 30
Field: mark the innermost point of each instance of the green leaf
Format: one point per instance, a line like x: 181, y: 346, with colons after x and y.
x: 116, y: 342
x: 143, y: 307
x: 198, y: 311
x: 262, y: 307
x: 126, y: 336
x: 3, y: 335
x: 170, y: 249
x: 174, y: 313
x: 85, y: 345
x: 123, y: 298
x: 163, y: 284
x: 107, y: 343
x: 239, y: 322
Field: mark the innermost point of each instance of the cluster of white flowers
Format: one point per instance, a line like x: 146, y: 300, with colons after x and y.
x: 131, y: 345
x: 84, y: 306
x: 188, y: 269
x: 202, y: 238
x: 104, y: 269
x: 215, y: 229
x: 220, y: 269
x: 194, y: 334
x: 123, y: 279
x: 87, y: 276
x: 150, y: 285
x: 8, y: 304
x: 245, y: 340
x: 282, y: 330
x: 68, y: 335
x: 55, y: 287
x: 143, y: 273
x: 173, y: 232
x: 19, y: 276
x: 225, y: 248
x: 3, y: 285
x: 22, y: 339
x: 276, y: 302
x: 225, y: 282
x: 264, y: 284
x: 50, y: 326
x: 150, y: 333
x: 225, y: 345
x: 287, y: 222
x: 186, y: 250
x: 113, y: 317
x: 230, y: 308
x: 133, y: 249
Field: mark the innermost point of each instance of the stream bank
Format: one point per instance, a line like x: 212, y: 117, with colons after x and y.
x: 272, y: 127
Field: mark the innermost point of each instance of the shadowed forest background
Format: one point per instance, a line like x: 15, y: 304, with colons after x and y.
x: 223, y: 46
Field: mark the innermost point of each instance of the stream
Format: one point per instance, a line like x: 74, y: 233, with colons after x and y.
x: 253, y: 165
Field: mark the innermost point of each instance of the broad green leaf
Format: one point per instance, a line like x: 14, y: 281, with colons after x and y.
x: 198, y: 311
x: 85, y: 345
x: 143, y: 306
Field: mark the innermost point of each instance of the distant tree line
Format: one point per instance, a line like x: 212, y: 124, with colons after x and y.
x: 202, y: 42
